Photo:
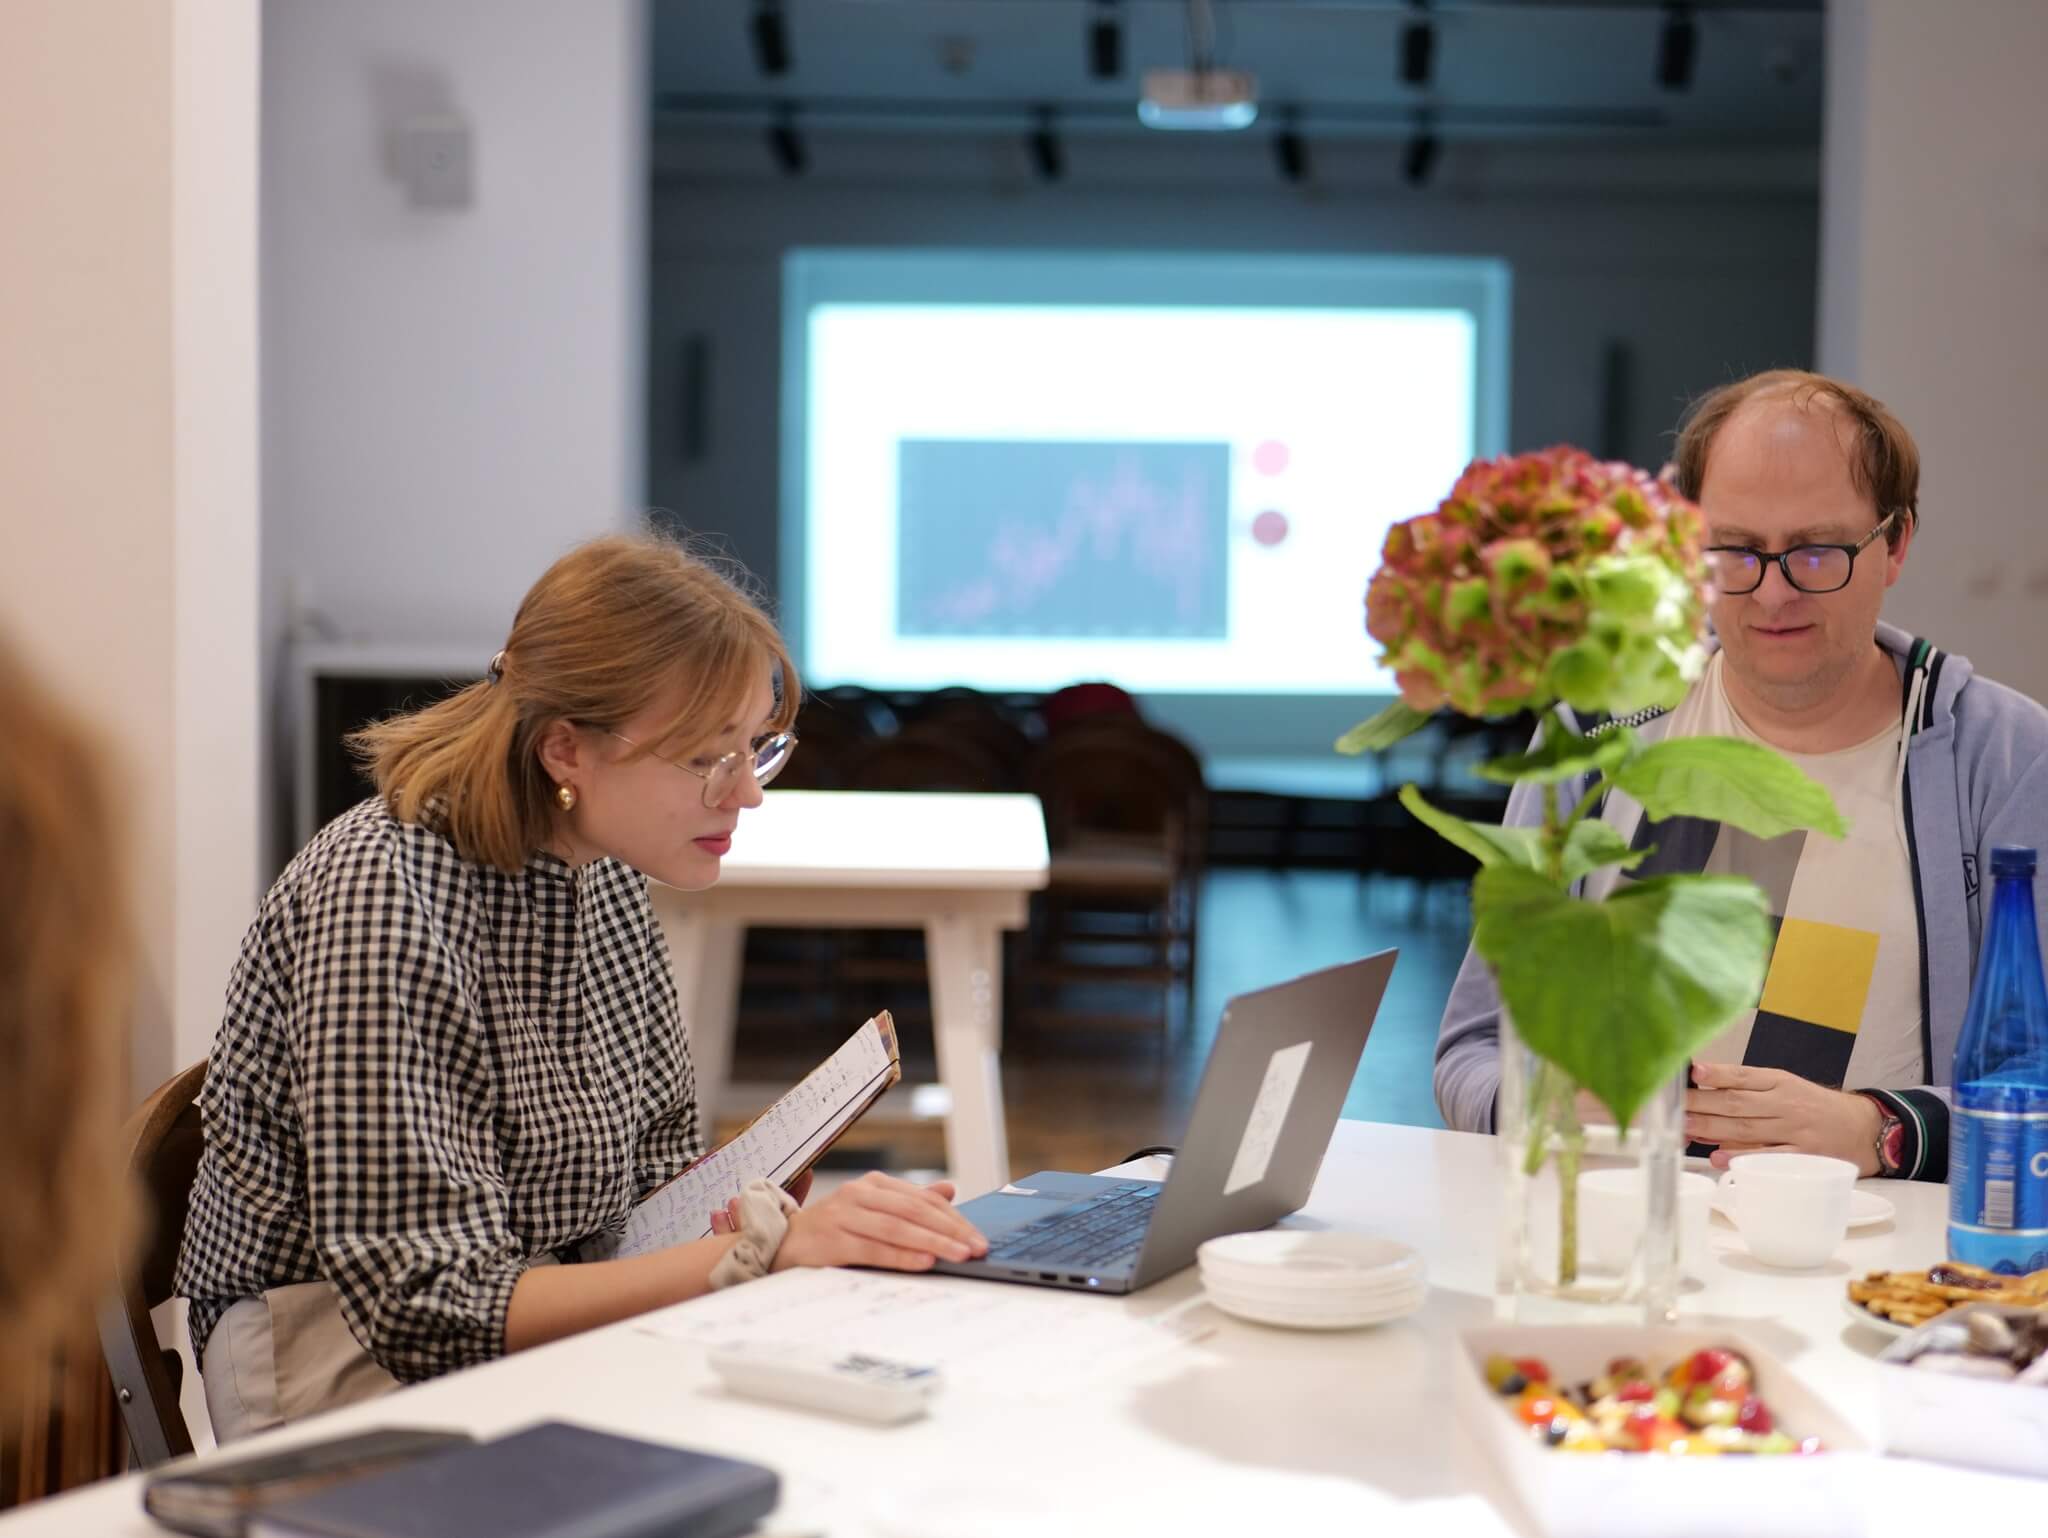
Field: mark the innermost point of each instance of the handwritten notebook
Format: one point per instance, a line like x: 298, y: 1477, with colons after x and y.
x: 778, y: 1145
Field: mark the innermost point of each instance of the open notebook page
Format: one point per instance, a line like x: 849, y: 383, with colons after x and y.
x: 778, y: 1145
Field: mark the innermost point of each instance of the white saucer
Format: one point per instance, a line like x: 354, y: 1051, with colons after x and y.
x: 1866, y: 1208
x: 1310, y: 1298
x: 1312, y: 1279
x: 1336, y: 1314
x: 1314, y: 1259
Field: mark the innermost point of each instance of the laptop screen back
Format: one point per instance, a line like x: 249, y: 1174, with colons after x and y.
x: 1270, y: 1097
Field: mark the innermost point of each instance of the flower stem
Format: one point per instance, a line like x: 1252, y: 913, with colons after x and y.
x: 1554, y: 836
x: 1553, y: 1108
x: 1539, y: 1119
x: 1572, y: 1145
x: 1587, y: 802
x: 1553, y: 1102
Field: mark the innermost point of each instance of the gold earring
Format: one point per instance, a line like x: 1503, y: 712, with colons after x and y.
x: 566, y: 794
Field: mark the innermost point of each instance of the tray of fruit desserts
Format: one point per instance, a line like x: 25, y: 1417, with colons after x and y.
x: 1593, y: 1427
x: 1970, y: 1386
x: 1898, y: 1301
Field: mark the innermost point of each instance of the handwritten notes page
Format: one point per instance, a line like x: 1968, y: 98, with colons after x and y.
x: 988, y: 1337
x: 778, y: 1145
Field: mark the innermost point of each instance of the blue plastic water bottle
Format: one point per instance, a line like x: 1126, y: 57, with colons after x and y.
x: 1998, y: 1136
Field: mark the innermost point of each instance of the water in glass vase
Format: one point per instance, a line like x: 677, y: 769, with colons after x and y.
x: 1589, y: 1219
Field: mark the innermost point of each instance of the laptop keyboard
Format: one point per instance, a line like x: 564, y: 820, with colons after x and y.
x: 1095, y: 1233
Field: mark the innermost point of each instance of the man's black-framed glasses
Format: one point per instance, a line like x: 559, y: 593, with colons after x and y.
x: 765, y: 757
x: 1739, y: 569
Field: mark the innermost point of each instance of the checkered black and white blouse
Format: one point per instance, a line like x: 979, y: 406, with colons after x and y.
x: 430, y: 1075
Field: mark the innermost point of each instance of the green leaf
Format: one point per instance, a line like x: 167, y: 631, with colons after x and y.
x: 1563, y: 754
x: 1723, y: 779
x: 1620, y: 993
x: 1382, y: 731
x: 1592, y: 844
x: 1488, y: 843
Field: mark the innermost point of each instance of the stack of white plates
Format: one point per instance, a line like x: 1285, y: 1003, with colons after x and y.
x: 1312, y: 1280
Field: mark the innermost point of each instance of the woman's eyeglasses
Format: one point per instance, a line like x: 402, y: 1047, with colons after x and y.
x: 721, y: 775
x: 1739, y: 569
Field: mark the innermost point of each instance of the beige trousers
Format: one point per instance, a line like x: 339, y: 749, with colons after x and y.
x: 283, y: 1356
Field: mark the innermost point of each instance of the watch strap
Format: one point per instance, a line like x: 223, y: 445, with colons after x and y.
x: 1922, y: 1134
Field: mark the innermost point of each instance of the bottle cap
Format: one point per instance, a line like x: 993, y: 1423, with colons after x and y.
x: 2012, y: 860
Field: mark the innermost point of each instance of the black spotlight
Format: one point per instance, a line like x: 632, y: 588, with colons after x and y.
x: 791, y: 154
x: 1418, y: 47
x: 771, y: 38
x: 1290, y: 150
x: 1048, y: 156
x: 1677, y: 48
x: 1105, y: 42
x: 1418, y: 160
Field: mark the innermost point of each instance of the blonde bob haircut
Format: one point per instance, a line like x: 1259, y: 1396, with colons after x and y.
x: 610, y: 628
x: 67, y: 1209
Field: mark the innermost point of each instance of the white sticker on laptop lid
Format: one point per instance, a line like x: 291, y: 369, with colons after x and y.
x: 1269, y: 1115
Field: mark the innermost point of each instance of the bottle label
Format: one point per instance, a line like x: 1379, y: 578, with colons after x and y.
x: 1998, y: 1182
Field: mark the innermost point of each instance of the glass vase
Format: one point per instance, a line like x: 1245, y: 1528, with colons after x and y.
x: 1589, y: 1219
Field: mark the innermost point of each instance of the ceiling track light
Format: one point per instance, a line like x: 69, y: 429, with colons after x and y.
x: 1418, y: 47
x: 770, y: 34
x: 1290, y: 150
x: 1677, y: 47
x: 1105, y: 42
x: 792, y: 155
x: 1048, y: 155
x: 1418, y: 158
x: 1201, y: 97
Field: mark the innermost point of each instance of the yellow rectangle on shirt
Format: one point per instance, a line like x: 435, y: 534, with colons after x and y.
x: 1821, y: 973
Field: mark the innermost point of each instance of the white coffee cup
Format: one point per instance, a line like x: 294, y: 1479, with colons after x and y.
x: 1613, y: 1207
x: 1792, y: 1209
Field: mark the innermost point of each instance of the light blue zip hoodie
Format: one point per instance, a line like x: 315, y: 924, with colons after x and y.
x: 1976, y: 775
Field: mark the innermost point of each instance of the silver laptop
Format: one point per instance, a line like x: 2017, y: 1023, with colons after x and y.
x: 1275, y: 1082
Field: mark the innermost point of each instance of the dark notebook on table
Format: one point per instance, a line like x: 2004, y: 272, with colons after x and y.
x: 550, y: 1481
x: 219, y: 1498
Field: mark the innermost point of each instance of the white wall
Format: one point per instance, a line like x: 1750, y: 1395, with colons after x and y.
x: 1932, y: 297
x: 453, y: 395
x: 128, y: 448
x: 1700, y: 264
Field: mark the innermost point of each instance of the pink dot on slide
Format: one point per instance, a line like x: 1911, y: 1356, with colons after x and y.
x: 1270, y: 457
x: 1269, y: 528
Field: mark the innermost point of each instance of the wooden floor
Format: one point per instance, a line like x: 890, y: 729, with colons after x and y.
x: 1079, y: 1098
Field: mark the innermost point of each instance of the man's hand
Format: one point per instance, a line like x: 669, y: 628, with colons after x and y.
x: 1755, y: 1110
x: 879, y: 1220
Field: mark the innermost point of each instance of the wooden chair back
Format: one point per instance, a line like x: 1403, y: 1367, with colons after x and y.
x: 164, y: 1143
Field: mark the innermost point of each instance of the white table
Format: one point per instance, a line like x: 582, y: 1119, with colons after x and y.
x: 959, y: 867
x: 1252, y: 1430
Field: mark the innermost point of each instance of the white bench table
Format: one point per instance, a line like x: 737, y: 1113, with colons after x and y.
x: 959, y: 867
x: 1252, y: 1430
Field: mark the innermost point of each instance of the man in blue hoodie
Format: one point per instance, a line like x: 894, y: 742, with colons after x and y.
x: 1811, y: 489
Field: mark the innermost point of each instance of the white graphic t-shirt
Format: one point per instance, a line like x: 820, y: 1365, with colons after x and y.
x: 1841, y: 1002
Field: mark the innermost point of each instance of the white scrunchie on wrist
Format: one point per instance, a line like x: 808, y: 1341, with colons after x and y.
x: 764, y: 1223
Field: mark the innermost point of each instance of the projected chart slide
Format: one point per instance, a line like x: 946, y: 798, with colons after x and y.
x: 1013, y: 474
x: 1011, y: 538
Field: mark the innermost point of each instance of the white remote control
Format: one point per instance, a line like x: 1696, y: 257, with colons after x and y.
x: 850, y: 1383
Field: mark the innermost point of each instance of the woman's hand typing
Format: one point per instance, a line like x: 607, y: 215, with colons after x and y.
x: 879, y: 1220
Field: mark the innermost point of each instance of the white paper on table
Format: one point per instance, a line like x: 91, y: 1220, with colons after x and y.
x: 778, y: 1143
x: 1013, y: 1342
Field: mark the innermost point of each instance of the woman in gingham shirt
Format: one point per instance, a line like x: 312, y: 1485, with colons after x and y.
x: 452, y: 1050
